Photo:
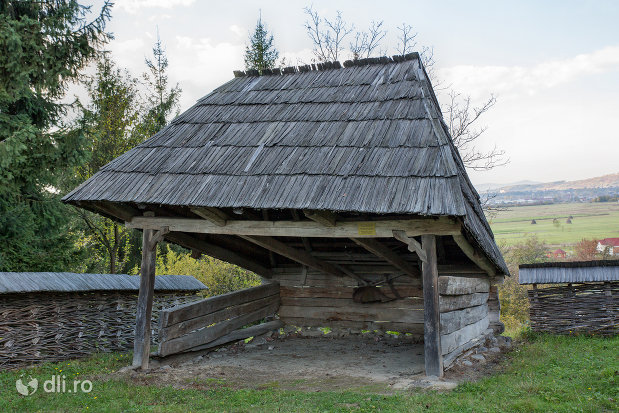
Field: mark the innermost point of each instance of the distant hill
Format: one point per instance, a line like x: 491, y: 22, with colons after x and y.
x: 606, y: 181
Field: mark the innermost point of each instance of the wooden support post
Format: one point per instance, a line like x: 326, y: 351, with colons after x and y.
x: 431, y: 312
x: 141, y: 345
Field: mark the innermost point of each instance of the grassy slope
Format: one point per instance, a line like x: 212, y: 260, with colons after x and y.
x: 547, y: 373
x: 591, y: 220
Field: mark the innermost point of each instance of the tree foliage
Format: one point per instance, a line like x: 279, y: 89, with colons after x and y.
x: 586, y: 250
x: 260, y: 53
x: 45, y: 45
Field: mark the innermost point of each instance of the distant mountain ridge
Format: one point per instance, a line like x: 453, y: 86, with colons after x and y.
x: 605, y: 181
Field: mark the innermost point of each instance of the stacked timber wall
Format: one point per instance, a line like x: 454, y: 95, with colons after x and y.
x: 36, y: 327
x: 314, y: 299
x: 465, y: 316
x: 591, y: 308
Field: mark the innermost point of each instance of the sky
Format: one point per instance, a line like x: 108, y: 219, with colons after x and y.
x: 553, y: 65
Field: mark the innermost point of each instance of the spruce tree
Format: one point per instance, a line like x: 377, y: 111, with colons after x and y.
x: 45, y: 45
x: 260, y: 54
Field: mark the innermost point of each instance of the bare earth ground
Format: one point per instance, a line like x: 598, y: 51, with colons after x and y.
x: 379, y: 364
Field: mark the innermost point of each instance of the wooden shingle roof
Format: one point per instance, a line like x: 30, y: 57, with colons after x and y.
x: 569, y: 272
x: 25, y: 282
x: 368, y: 138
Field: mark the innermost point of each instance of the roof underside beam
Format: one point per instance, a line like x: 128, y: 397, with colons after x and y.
x: 344, y: 229
x: 474, y: 255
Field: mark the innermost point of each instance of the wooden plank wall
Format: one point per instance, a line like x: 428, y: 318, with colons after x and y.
x: 312, y: 299
x: 465, y: 313
x: 216, y: 320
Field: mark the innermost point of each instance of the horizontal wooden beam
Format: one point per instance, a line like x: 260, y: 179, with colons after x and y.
x: 218, y: 252
x: 353, y: 229
x: 474, y: 255
x: 295, y: 255
x: 382, y: 251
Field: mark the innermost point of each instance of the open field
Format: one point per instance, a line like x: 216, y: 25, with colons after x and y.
x: 590, y: 220
x: 545, y: 373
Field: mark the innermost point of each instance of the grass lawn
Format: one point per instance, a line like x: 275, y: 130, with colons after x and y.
x: 544, y: 373
x: 591, y: 220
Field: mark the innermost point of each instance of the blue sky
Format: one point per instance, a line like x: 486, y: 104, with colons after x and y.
x: 553, y: 65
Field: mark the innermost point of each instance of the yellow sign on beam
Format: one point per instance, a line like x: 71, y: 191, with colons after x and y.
x: 366, y: 228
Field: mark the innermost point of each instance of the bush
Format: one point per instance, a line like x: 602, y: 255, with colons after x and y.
x: 219, y: 276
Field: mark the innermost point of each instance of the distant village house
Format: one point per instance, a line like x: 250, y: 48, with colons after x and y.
x: 609, y: 245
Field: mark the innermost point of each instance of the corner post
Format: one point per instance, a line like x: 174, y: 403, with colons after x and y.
x: 431, y: 315
x: 141, y: 345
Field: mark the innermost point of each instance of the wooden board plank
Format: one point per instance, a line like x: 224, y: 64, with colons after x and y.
x: 431, y: 320
x: 343, y: 292
x: 371, y: 313
x: 383, y: 228
x: 414, y: 303
x: 450, y: 342
x: 216, y: 216
x: 455, y: 320
x: 451, y: 285
x: 413, y: 328
x: 210, y: 334
x: 192, y: 310
x: 242, y: 334
x: 456, y: 302
x: 187, y: 326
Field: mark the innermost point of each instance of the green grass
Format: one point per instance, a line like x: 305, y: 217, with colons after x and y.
x: 591, y: 220
x: 546, y: 373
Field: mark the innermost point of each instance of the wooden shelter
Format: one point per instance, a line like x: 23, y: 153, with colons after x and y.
x: 573, y: 297
x: 340, y: 183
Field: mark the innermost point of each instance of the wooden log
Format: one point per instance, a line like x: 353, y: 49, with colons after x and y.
x: 450, y: 342
x: 451, y: 285
x: 413, y: 328
x: 218, y: 252
x: 343, y: 292
x: 494, y: 310
x: 474, y: 255
x: 187, y: 326
x: 382, y: 251
x: 448, y: 359
x: 192, y: 310
x: 373, y: 312
x: 431, y: 318
x: 242, y: 334
x: 455, y: 320
x: 342, y: 229
x: 210, y: 334
x: 410, y: 302
x: 457, y: 302
x: 141, y: 346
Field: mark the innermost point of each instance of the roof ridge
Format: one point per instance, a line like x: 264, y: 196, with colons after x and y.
x: 327, y: 65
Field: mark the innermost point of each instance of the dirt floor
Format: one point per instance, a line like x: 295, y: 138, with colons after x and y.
x: 382, y: 364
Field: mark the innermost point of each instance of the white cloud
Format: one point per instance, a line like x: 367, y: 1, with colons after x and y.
x: 238, y: 30
x: 128, y: 46
x: 133, y: 6
x: 479, y: 81
x: 159, y: 17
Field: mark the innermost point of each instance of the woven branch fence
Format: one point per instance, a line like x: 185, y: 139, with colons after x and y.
x: 36, y: 327
x: 591, y: 308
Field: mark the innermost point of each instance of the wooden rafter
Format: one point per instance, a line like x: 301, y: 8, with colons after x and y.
x: 218, y: 252
x: 216, y: 216
x: 297, y: 255
x: 384, y: 252
x: 325, y: 218
x: 354, y: 229
x: 474, y: 255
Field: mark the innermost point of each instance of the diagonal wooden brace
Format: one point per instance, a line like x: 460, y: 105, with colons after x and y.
x: 413, y: 245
